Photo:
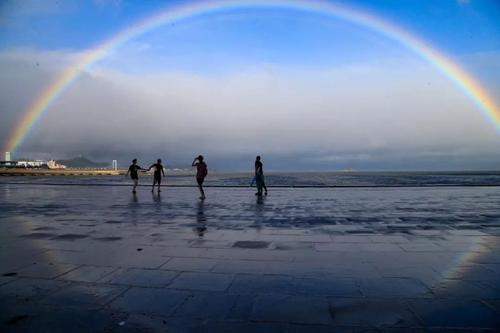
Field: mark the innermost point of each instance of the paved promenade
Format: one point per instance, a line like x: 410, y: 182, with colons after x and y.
x: 98, y: 259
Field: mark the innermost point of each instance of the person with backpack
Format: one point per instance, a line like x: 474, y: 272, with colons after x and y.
x: 201, y: 173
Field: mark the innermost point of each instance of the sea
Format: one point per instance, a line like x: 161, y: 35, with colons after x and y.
x: 283, y: 179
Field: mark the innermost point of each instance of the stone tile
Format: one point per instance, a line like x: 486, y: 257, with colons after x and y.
x: 465, y: 289
x: 189, y: 264
x: 177, y: 325
x: 347, y: 247
x: 262, y: 284
x: 455, y: 313
x: 296, y: 328
x: 371, y: 312
x: 133, y: 322
x: 46, y: 270
x: 202, y: 281
x: 30, y: 288
x: 478, y: 272
x: 338, y: 247
x: 69, y: 237
x: 251, y: 244
x: 141, y: 277
x: 388, y: 239
x: 421, y: 247
x: 149, y: 301
x: 55, y: 320
x: 243, y: 307
x: 494, y: 304
x: 293, y: 245
x: 87, y: 273
x: 393, y: 288
x: 428, y: 233
x: 145, y: 261
x: 38, y: 235
x: 84, y: 296
x: 240, y: 266
x: 351, y: 239
x: 463, y: 247
x: 184, y: 252
x: 465, y: 232
x: 291, y: 309
x: 213, y: 306
x: 244, y: 327
x: 328, y: 287
x: 487, y: 258
x: 248, y: 254
x: 211, y: 244
x: 6, y: 279
x: 426, y: 275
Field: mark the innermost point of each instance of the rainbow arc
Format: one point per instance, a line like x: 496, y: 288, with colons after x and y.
x: 456, y: 74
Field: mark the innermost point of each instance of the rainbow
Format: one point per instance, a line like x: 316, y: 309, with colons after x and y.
x: 463, y: 80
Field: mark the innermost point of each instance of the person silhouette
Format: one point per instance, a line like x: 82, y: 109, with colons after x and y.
x: 201, y: 173
x: 134, y: 175
x: 259, y: 177
x: 158, y: 173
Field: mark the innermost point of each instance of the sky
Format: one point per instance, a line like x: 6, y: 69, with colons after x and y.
x: 306, y: 91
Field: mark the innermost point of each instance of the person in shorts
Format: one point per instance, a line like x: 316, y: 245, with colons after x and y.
x: 201, y: 173
x: 158, y: 173
x: 134, y: 175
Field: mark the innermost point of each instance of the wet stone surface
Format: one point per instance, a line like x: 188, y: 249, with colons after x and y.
x: 98, y: 259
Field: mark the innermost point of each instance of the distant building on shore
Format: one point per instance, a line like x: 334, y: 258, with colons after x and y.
x: 52, y: 164
x: 37, y: 164
x: 7, y: 156
x: 8, y: 164
x: 115, y: 165
x: 32, y: 164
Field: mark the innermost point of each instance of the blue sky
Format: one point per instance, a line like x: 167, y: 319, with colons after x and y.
x: 361, y: 90
x: 456, y: 26
x: 459, y: 28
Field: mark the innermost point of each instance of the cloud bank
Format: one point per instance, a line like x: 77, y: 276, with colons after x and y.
x: 380, y: 115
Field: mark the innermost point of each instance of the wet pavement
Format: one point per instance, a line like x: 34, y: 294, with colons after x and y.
x: 98, y: 259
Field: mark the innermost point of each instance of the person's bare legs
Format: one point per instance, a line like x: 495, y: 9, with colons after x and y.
x: 201, y: 192
x: 200, y: 187
x: 134, y: 181
x: 259, y: 188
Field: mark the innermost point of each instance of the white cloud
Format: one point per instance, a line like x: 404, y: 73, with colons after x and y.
x: 348, y: 113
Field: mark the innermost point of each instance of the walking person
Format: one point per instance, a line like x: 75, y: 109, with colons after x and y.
x: 133, y: 171
x: 158, y: 173
x: 259, y: 177
x: 201, y: 173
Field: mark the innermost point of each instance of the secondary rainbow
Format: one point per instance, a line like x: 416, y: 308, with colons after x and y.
x: 463, y: 80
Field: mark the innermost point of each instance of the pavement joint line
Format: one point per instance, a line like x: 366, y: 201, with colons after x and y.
x: 116, y: 296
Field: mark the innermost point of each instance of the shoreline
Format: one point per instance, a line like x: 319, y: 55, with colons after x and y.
x: 61, y: 172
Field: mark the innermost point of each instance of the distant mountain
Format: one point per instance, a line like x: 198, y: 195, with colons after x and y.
x: 83, y: 162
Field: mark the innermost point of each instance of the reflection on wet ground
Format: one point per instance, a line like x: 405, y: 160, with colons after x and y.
x: 76, y: 258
